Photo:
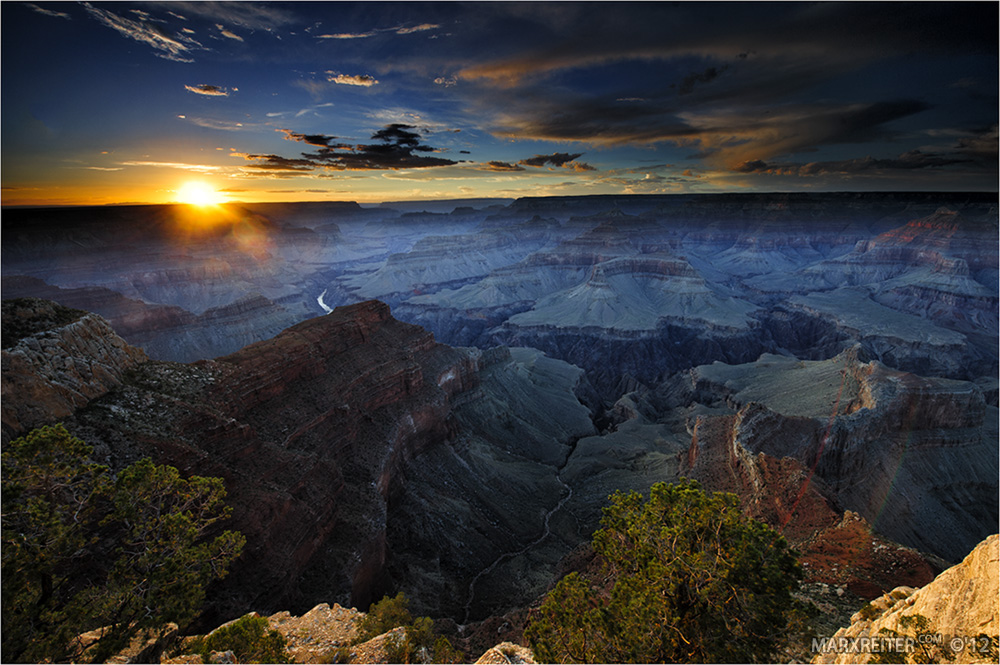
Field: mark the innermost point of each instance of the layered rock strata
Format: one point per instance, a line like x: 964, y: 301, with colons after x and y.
x: 915, y: 456
x: 353, y: 446
x: 51, y: 372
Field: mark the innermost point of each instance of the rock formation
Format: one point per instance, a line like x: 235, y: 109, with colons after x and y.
x: 620, y: 286
x: 56, y: 361
x: 960, y: 605
x: 871, y: 434
x: 832, y: 358
x: 353, y: 447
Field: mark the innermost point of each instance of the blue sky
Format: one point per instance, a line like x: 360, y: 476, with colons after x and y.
x: 127, y: 102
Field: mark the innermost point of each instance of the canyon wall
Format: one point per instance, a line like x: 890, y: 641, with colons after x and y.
x: 353, y: 446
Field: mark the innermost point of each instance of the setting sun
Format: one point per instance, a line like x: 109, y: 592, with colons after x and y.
x: 198, y: 193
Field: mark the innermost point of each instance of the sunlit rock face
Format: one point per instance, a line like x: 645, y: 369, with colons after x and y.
x: 960, y: 604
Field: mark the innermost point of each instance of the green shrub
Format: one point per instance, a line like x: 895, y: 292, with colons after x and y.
x: 694, y: 581
x: 250, y: 638
x: 420, y: 643
x: 383, y: 616
x: 82, y: 549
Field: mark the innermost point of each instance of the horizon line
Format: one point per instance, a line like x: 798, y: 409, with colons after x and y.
x: 124, y: 204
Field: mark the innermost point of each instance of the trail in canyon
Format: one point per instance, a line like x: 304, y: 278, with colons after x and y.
x: 546, y: 532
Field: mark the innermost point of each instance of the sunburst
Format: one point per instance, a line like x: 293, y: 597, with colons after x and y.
x: 196, y: 192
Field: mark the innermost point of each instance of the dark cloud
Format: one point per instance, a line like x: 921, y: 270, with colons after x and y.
x: 911, y: 160
x: 555, y: 159
x: 751, y: 166
x: 277, y: 162
x: 318, y: 140
x: 395, y: 149
x: 982, y: 145
x: 914, y: 159
x: 743, y: 101
x: 686, y: 86
x: 503, y: 166
x: 727, y: 136
x: 859, y: 32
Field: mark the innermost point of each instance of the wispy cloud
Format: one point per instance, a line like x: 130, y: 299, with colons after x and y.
x: 348, y: 35
x: 227, y: 33
x: 175, y: 47
x: 48, y: 12
x: 251, y: 15
x: 733, y: 138
x: 96, y: 168
x: 184, y: 166
x: 212, y: 123
x: 398, y: 30
x: 363, y: 80
x: 209, y: 90
x: 423, y: 27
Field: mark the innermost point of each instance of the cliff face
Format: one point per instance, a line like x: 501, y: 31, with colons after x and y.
x: 50, y: 373
x: 341, y: 442
x: 961, y: 604
x: 915, y: 456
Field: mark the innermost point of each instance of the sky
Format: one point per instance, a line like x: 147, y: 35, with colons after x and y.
x: 155, y: 102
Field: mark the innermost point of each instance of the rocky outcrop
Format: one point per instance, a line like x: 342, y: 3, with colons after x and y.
x: 327, y: 634
x: 871, y: 434
x: 960, y: 606
x: 312, y: 637
x: 50, y: 373
x: 506, y: 652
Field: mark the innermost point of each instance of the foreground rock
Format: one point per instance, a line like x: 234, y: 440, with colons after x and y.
x: 327, y: 634
x: 960, y: 605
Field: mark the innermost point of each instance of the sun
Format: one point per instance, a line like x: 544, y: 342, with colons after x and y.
x: 196, y: 192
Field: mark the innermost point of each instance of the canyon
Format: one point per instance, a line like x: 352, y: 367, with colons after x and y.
x: 487, y: 374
